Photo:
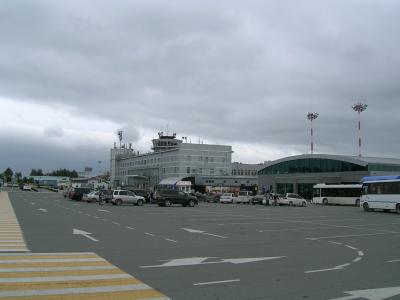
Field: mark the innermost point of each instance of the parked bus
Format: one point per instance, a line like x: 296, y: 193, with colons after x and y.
x: 381, y: 192
x: 342, y: 194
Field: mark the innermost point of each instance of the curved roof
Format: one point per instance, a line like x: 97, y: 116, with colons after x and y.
x: 362, y: 161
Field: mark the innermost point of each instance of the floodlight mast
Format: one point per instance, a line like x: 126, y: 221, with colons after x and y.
x: 359, y: 108
x: 311, y: 116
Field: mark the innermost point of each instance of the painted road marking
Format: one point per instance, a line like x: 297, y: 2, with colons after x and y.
x: 394, y: 260
x: 11, y: 237
x: 84, y: 233
x: 76, y: 277
x: 147, y: 233
x: 131, y: 228
x: 203, y: 232
x: 170, y: 240
x: 340, y: 267
x: 216, y: 282
x: 372, y: 294
x: 192, y: 261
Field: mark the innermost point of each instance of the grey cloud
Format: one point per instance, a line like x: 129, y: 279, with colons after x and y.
x: 228, y: 71
x: 54, y: 132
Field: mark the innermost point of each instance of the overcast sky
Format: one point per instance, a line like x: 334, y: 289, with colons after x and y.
x: 243, y: 73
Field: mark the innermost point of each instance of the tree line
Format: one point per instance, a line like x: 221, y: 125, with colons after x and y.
x: 8, y: 174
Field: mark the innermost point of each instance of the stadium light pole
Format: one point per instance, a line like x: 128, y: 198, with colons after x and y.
x: 311, y: 116
x: 359, y: 108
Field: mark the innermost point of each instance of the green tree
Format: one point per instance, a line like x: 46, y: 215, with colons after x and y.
x: 33, y: 172
x: 18, y: 176
x: 8, y: 173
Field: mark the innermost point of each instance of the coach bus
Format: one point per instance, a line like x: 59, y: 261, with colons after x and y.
x: 381, y: 192
x: 341, y: 194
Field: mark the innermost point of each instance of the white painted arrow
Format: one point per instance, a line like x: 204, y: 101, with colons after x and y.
x: 191, y: 261
x: 372, y: 294
x: 42, y: 209
x: 203, y: 232
x: 85, y: 234
x: 104, y: 210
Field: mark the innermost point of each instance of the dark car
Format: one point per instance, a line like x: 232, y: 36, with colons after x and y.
x: 213, y: 198
x: 169, y: 197
x: 77, y: 193
x: 260, y: 199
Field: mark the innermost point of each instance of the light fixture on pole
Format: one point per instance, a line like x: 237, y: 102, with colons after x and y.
x: 311, y: 116
x: 359, y: 108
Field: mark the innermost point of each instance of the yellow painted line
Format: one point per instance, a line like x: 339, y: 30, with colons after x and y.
x: 49, y: 256
x: 54, y: 264
x: 67, y: 284
x: 128, y: 295
x: 59, y: 273
x: 32, y: 276
x: 9, y: 226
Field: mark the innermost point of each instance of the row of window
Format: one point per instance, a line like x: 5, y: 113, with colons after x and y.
x: 312, y: 165
x: 244, y: 172
x: 158, y: 160
x: 335, y: 192
x: 392, y: 188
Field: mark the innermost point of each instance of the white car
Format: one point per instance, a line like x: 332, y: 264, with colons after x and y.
x: 27, y: 187
x: 226, y: 198
x: 292, y: 200
x: 244, y: 197
x: 126, y: 197
x: 91, y: 197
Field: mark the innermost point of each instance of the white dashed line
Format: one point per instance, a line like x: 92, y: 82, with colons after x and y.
x: 149, y: 234
x: 131, y: 228
x: 116, y: 223
x: 171, y: 240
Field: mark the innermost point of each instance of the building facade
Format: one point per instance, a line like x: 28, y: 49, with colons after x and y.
x: 298, y: 174
x: 170, y: 157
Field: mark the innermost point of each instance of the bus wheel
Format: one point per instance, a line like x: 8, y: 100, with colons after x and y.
x: 325, y: 201
x: 357, y: 203
x: 398, y: 208
x: 366, y: 207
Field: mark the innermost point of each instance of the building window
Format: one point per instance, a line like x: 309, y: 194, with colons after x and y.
x: 188, y: 170
x: 176, y: 170
x: 212, y: 171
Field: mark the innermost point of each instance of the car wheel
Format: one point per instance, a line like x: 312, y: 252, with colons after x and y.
x: 398, y: 208
x: 168, y: 203
x: 160, y: 204
x: 140, y: 203
x: 118, y: 202
x: 87, y: 201
x: 357, y: 204
x: 191, y: 203
x: 304, y: 204
x: 290, y: 203
x: 366, y: 207
x: 325, y: 201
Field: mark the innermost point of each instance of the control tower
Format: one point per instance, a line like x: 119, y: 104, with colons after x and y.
x: 165, y: 142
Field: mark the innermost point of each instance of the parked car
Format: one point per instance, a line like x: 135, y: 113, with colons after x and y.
x: 244, y: 197
x: 106, y: 195
x: 226, y: 198
x: 27, y: 187
x: 292, y: 200
x: 78, y: 192
x: 91, y: 197
x: 260, y: 199
x: 169, y: 197
x: 126, y: 197
x: 212, y: 198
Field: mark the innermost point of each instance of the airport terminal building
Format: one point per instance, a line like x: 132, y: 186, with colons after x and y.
x: 298, y: 174
x: 170, y: 158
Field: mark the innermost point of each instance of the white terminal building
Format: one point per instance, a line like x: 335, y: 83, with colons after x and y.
x: 205, y: 165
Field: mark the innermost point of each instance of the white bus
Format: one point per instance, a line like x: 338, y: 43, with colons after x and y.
x: 381, y: 192
x: 342, y: 194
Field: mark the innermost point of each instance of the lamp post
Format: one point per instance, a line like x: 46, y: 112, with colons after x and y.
x: 359, y: 108
x: 311, y: 116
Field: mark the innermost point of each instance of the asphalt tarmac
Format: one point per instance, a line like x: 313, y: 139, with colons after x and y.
x: 222, y: 251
